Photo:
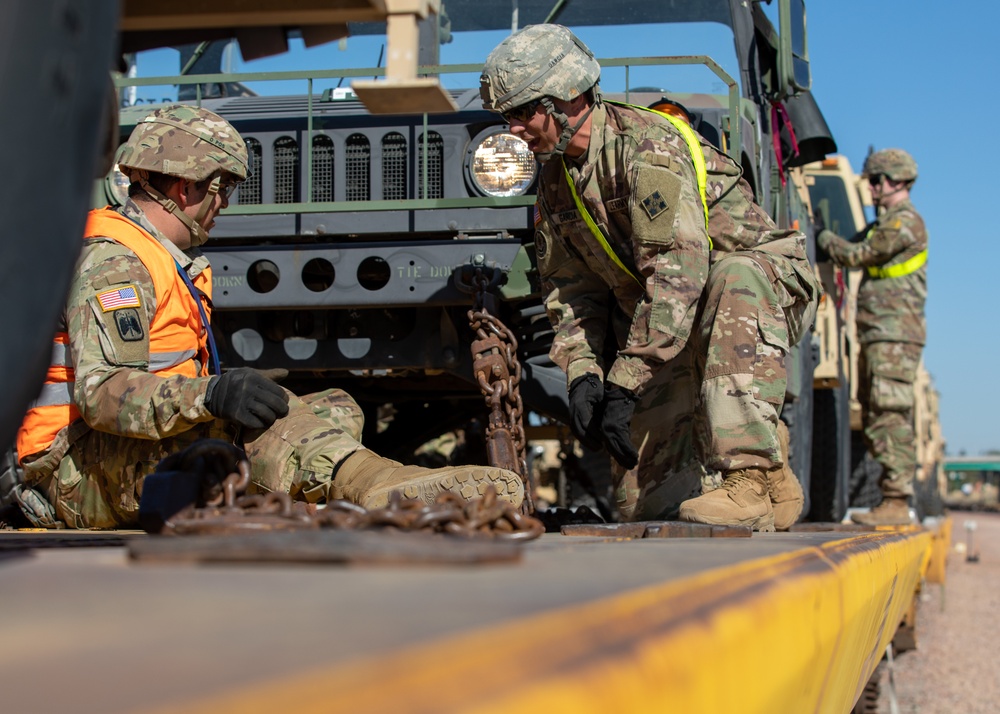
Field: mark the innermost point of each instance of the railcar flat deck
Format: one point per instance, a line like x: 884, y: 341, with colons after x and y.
x: 778, y: 622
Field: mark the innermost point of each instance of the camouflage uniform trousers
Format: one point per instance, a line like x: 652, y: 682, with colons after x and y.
x: 714, y: 408
x: 98, y: 483
x: 887, y: 371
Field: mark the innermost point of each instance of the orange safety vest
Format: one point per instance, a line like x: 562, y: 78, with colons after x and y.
x: 176, y: 335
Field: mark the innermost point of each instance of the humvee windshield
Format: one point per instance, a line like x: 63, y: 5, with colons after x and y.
x: 829, y: 196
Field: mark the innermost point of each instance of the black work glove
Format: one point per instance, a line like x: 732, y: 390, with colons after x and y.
x: 275, y: 375
x: 194, y: 477
x: 243, y: 395
x: 211, y: 459
x: 586, y: 393
x: 616, y: 425
x: 819, y: 225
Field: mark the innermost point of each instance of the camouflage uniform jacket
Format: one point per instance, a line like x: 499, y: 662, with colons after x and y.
x: 889, y: 309
x: 638, y: 183
x: 118, y: 395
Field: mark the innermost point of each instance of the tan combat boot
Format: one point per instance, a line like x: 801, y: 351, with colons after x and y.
x: 784, y: 488
x: 891, y: 512
x: 741, y: 501
x: 367, y: 480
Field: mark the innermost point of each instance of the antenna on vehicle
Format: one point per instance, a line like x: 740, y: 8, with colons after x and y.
x: 555, y: 12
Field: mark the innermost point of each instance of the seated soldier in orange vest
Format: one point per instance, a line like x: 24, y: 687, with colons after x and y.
x: 135, y: 376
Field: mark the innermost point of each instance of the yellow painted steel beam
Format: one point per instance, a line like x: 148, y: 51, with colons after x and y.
x: 797, y: 632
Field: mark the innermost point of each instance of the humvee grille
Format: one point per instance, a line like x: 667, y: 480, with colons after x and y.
x: 359, y: 156
x: 249, y: 191
x: 322, y: 168
x: 435, y: 166
x: 395, y: 162
x: 286, y: 170
x: 394, y: 167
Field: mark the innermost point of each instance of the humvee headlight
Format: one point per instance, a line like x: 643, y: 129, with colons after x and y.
x: 116, y: 186
x: 500, y: 164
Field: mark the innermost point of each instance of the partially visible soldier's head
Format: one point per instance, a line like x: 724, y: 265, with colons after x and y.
x: 666, y: 105
x: 890, y: 173
x: 188, y: 151
x: 539, y: 72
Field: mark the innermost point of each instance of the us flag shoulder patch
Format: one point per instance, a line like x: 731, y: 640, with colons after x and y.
x: 538, y: 214
x: 118, y: 298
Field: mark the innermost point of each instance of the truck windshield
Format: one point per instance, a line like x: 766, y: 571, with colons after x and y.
x: 829, y: 196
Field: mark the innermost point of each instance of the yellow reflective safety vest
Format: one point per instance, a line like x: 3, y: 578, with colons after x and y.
x: 177, y: 340
x: 697, y: 158
x: 910, y: 265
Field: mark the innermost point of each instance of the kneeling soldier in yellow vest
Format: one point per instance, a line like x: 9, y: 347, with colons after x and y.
x: 647, y: 236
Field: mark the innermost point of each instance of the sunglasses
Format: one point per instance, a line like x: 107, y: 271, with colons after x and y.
x: 875, y: 179
x: 522, y: 113
x: 226, y: 189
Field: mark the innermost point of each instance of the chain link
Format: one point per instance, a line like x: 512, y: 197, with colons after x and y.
x: 498, y: 372
x: 233, y: 511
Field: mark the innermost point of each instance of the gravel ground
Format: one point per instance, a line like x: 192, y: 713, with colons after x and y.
x: 954, y: 669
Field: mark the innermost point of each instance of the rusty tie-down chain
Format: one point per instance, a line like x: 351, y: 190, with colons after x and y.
x: 498, y: 372
x: 233, y: 511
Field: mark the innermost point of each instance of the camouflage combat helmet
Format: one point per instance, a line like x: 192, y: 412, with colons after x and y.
x: 189, y: 143
x: 539, y: 63
x: 186, y: 142
x: 894, y: 163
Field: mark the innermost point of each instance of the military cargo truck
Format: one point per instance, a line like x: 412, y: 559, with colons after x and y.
x: 351, y: 257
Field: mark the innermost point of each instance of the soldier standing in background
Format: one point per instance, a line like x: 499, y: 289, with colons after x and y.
x: 135, y: 374
x: 647, y: 236
x: 891, y: 325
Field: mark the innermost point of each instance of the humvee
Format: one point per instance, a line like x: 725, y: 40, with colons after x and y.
x: 353, y: 255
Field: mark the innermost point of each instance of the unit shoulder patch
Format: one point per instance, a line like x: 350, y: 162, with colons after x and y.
x: 654, y: 204
x: 541, y: 245
x: 656, y: 196
x: 129, y: 324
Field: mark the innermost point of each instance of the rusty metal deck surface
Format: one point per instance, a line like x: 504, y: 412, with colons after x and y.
x: 87, y: 630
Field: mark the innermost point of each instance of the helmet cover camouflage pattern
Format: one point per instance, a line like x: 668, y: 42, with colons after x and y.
x: 187, y: 142
x: 894, y: 163
x: 537, y: 61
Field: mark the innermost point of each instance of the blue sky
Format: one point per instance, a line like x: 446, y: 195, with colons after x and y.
x: 889, y: 73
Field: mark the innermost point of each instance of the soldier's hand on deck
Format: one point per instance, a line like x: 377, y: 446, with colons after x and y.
x: 244, y: 396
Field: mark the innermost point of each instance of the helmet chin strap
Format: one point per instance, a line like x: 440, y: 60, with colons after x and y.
x: 198, y: 234
x: 568, y: 132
